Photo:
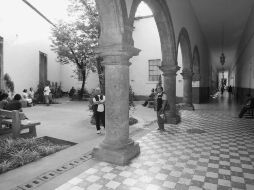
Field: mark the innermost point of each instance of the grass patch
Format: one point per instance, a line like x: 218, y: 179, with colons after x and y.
x: 16, y: 153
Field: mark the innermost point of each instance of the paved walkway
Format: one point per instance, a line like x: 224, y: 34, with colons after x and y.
x: 69, y: 120
x: 210, y: 149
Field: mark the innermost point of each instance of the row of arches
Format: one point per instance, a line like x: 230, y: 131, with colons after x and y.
x: 116, y: 46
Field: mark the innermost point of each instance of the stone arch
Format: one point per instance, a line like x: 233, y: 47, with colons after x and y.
x: 187, y: 68
x: 116, y: 48
x: 196, y: 89
x: 184, y: 42
x: 169, y: 66
x: 196, y: 64
x: 113, y: 21
x: 165, y: 27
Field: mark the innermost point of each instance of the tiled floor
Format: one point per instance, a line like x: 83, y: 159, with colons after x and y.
x: 219, y: 156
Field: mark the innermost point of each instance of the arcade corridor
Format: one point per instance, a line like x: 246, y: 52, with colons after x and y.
x: 210, y: 149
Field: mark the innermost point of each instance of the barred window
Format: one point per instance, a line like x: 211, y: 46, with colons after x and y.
x: 154, y: 71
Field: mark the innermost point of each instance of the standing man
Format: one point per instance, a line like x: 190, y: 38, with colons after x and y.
x: 161, y: 102
x: 47, y: 93
x: 99, y: 109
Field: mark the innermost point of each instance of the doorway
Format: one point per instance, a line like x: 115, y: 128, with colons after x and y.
x: 43, y: 68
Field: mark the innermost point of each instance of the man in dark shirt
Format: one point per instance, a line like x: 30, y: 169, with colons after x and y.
x: 161, y: 102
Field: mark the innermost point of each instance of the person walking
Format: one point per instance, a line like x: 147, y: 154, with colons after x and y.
x: 222, y: 90
x: 161, y: 102
x: 47, y: 93
x: 99, y: 109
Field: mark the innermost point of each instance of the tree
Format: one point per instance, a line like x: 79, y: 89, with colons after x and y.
x: 74, y: 40
x: 9, y: 84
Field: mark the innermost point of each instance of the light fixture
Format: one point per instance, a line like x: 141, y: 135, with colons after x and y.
x: 222, y: 57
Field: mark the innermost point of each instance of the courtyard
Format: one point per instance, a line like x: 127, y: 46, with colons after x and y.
x: 210, y: 149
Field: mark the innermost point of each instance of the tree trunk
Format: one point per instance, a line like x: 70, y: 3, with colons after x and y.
x: 83, y: 84
x: 101, y: 74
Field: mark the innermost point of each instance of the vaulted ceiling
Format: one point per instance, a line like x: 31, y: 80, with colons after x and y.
x: 223, y: 19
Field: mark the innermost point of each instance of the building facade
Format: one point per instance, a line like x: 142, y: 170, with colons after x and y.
x: 25, y: 51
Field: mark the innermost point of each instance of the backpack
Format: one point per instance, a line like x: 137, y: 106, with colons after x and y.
x: 95, y: 106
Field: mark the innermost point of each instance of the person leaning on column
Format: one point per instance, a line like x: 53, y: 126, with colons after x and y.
x: 161, y: 102
x: 99, y: 109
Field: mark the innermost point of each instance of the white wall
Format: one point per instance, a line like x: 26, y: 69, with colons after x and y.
x: 25, y: 33
x: 146, y: 38
x: 179, y: 77
x: 69, y: 79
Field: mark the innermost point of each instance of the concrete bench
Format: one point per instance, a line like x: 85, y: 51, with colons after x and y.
x: 16, y: 122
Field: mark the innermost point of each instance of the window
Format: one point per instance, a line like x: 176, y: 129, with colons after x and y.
x: 154, y: 71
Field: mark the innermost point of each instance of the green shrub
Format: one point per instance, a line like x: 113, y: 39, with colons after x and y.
x: 22, y: 157
x: 132, y: 121
x: 8, y: 83
x: 4, y: 166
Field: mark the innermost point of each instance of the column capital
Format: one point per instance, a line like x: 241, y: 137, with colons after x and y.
x: 196, y: 77
x: 187, y: 73
x: 117, y: 54
x: 169, y: 70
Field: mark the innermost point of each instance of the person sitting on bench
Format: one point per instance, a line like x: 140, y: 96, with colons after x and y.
x: 150, y: 98
x: 3, y: 100
x: 249, y: 104
x: 15, y: 104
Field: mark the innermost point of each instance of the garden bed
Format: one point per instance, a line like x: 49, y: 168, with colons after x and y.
x: 16, y: 153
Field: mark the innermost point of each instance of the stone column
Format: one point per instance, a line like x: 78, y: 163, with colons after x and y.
x: 117, y: 147
x: 187, y: 89
x: 1, y: 64
x: 196, y: 88
x: 169, y: 73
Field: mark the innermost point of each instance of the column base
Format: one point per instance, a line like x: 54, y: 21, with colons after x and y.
x: 117, y: 156
x: 172, y: 118
x: 185, y: 106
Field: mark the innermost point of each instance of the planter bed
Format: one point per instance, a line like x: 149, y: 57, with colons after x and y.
x: 16, y: 153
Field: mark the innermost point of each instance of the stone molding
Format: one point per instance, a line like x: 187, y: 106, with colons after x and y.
x: 187, y: 74
x: 117, y: 54
x: 196, y: 77
x: 169, y: 70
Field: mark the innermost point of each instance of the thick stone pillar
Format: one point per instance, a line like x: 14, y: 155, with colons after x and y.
x: 1, y: 64
x: 187, y: 90
x: 169, y: 73
x: 196, y: 89
x: 117, y: 147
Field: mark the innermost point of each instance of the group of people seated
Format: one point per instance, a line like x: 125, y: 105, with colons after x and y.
x: 28, y: 96
x: 8, y: 103
x: 150, y: 97
x: 14, y: 103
